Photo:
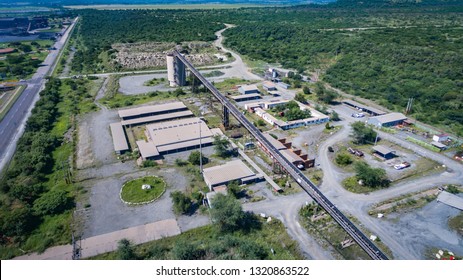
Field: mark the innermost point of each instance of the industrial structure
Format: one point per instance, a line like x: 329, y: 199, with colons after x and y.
x: 364, y: 242
x: 387, y: 120
x: 234, y: 170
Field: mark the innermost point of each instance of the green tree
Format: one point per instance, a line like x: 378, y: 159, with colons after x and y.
x: 335, y: 116
x: 300, y: 97
x: 226, y: 213
x: 234, y: 189
x: 371, y: 177
x: 362, y: 134
x: 343, y: 159
x: 187, y: 250
x: 195, y: 156
x: 18, y: 221
x: 182, y: 203
x: 306, y: 90
x: 221, y: 146
x: 125, y: 250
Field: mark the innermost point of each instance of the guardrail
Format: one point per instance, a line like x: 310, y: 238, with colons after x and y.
x: 371, y: 249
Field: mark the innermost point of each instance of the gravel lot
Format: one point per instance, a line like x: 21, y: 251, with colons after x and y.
x: 108, y: 213
x: 133, y: 85
x: 422, y: 229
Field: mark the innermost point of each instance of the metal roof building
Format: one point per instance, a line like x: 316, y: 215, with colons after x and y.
x: 158, y: 118
x: 390, y: 119
x: 365, y: 108
x: 248, y: 89
x: 174, y: 136
x: 230, y: 171
x: 146, y: 111
x: 119, y: 138
x: 384, y: 152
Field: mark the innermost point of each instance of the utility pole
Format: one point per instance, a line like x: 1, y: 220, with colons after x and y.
x: 200, y: 147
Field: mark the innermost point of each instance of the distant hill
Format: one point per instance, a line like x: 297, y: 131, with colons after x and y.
x: 376, y: 3
x: 125, y: 2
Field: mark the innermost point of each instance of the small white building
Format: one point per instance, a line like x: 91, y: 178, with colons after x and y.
x: 441, y: 138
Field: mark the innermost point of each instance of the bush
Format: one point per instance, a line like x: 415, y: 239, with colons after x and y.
x: 182, y: 203
x: 149, y: 163
x: 371, y: 177
x: 195, y: 157
x: 180, y: 162
x: 226, y: 213
x: 343, y: 159
x: 125, y: 250
x: 53, y: 202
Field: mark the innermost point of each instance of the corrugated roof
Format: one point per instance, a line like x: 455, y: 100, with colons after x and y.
x: 119, y: 139
x: 151, y: 109
x: 249, y: 88
x: 230, y: 171
x: 243, y: 96
x: 275, y: 143
x: 289, y: 155
x: 382, y: 150
x: 147, y: 149
x: 391, y: 117
x: 158, y: 118
x: 171, y: 132
x: 362, y: 106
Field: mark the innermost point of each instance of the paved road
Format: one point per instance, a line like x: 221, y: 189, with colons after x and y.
x: 12, y: 126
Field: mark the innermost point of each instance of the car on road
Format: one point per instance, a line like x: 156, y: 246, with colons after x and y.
x: 358, y: 115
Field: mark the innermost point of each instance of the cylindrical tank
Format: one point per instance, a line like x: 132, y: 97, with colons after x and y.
x: 171, y: 70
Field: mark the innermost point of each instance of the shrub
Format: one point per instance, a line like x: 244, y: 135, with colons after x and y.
x: 343, y: 159
x: 53, y: 202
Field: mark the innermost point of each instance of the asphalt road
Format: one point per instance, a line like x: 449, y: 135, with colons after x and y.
x: 12, y: 125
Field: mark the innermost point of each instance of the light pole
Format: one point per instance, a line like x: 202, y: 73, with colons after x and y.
x: 200, y: 146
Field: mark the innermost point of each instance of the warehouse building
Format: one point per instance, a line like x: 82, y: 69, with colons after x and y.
x: 364, y: 108
x: 119, y: 138
x: 383, y: 152
x: 234, y: 170
x: 391, y: 119
x: 245, y: 97
x: 248, y: 89
x: 175, y: 136
x: 154, y: 110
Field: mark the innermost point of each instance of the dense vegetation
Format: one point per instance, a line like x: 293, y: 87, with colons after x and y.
x: 98, y: 30
x: 36, y: 192
x: 388, y: 51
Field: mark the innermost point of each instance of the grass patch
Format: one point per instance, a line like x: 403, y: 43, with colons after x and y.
x: 423, y: 144
x: 456, y: 223
x: 154, y: 82
x: 351, y: 184
x: 132, y: 191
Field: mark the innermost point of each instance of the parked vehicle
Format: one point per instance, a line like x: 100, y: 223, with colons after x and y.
x: 401, y: 165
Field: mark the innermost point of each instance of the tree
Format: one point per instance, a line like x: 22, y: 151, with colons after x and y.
x: 226, y: 213
x: 195, y: 156
x: 306, y: 90
x: 300, y: 97
x: 335, y: 116
x: 343, y: 159
x: 186, y: 250
x: 53, y: 202
x: 125, y: 250
x: 371, y: 177
x: 221, y: 146
x: 362, y: 134
x: 234, y: 189
x: 182, y: 203
x: 18, y: 222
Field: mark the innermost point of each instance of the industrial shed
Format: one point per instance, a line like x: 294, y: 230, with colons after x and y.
x: 387, y: 120
x: 383, y: 152
x: 228, y: 172
x: 119, y: 138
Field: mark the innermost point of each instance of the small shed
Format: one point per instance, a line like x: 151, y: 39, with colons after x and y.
x: 269, y: 86
x: 440, y: 138
x: 439, y: 145
x: 283, y: 85
x: 248, y: 89
x: 383, y: 152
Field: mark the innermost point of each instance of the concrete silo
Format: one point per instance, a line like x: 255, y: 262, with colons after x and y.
x: 176, y: 74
